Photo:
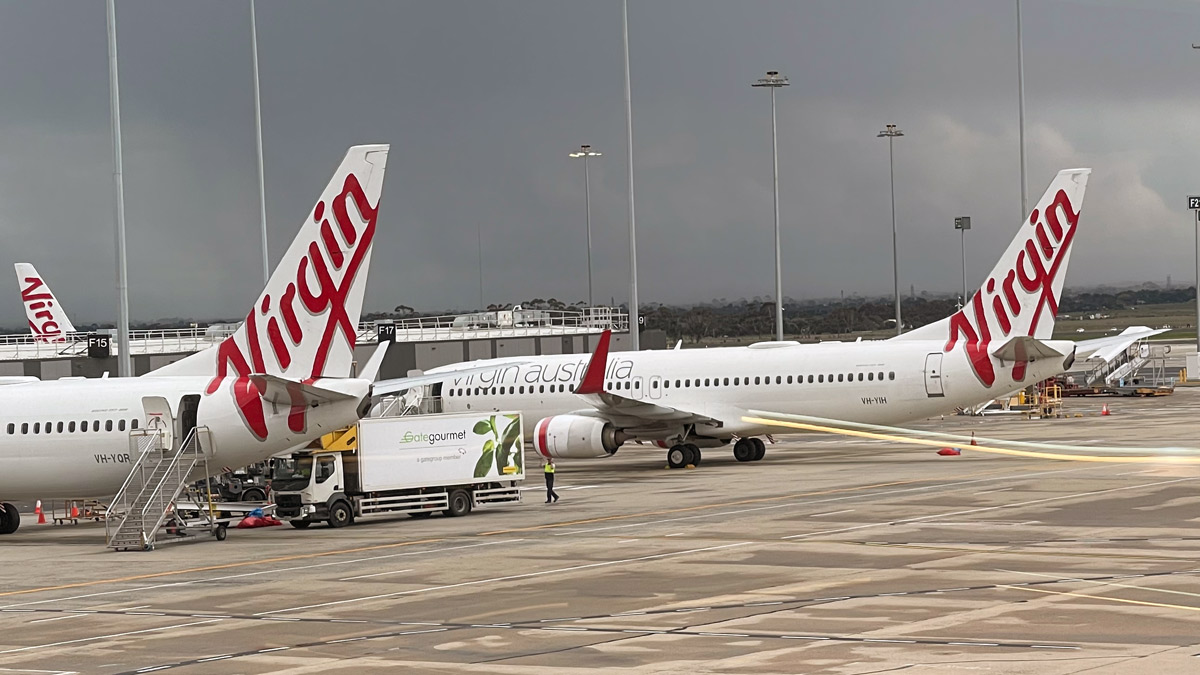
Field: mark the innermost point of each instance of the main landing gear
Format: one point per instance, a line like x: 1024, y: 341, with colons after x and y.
x: 682, y: 455
x: 749, y: 449
x: 10, y: 518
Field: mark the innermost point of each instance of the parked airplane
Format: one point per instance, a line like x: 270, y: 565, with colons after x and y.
x: 685, y: 400
x: 47, y: 319
x: 280, y: 380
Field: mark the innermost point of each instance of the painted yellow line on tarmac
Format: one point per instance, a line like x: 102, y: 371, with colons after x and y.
x: 225, y: 566
x: 1188, y: 608
x: 1111, y: 459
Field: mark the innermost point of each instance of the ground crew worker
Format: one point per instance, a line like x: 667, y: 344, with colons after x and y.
x: 548, y: 469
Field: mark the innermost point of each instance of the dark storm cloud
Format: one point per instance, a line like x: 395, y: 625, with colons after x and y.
x: 482, y: 102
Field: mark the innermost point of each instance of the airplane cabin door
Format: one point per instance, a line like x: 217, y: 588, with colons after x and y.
x: 656, y: 387
x: 159, y: 417
x: 189, y: 406
x: 933, y: 376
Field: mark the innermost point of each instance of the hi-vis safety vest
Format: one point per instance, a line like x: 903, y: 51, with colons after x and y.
x: 549, y: 468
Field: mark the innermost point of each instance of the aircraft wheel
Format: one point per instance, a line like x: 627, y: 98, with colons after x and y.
x: 10, y: 519
x: 694, y: 450
x: 678, y: 456
x: 745, y: 450
x: 760, y: 449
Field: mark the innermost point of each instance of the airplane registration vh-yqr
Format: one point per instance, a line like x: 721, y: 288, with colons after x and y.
x: 685, y: 400
x: 280, y: 380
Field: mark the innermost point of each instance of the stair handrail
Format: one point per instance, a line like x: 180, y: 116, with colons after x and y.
x: 153, y: 440
x: 157, y: 493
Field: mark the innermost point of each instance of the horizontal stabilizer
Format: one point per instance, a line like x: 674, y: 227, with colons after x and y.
x: 274, y: 389
x: 1023, y: 349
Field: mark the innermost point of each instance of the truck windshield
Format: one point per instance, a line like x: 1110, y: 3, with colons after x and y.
x: 291, y: 473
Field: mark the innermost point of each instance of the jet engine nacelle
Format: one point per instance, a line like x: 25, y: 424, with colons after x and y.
x: 576, y: 437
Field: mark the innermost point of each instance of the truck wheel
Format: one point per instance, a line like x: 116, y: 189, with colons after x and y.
x: 460, y: 504
x: 299, y: 524
x: 340, y: 515
x: 254, y: 495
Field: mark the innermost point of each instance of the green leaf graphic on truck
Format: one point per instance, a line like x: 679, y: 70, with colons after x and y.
x: 503, y: 449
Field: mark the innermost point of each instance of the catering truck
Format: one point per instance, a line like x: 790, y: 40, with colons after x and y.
x: 413, y: 464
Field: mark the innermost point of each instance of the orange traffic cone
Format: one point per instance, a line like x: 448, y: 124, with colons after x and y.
x: 40, y: 514
x: 74, y: 510
x: 973, y: 438
x: 1104, y: 411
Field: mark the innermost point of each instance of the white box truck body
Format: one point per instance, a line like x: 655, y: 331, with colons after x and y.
x: 416, y: 464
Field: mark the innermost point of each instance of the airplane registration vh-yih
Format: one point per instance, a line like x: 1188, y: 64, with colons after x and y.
x: 282, y: 379
x: 684, y: 400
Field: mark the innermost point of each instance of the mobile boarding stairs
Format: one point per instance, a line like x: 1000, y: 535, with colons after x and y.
x: 147, y: 501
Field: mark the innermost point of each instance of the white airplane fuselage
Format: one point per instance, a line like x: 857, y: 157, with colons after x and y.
x: 876, y: 382
x: 65, y: 463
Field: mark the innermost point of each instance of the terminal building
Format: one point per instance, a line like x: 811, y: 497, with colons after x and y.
x: 419, y: 343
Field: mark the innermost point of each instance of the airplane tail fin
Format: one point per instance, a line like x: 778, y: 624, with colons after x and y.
x: 1020, y: 297
x: 47, y: 320
x: 303, y: 325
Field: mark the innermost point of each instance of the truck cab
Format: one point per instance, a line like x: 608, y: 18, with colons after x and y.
x: 309, y: 485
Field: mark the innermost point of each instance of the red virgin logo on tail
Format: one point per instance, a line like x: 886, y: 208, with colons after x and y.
x: 325, y: 258
x: 1037, y: 266
x: 43, y: 325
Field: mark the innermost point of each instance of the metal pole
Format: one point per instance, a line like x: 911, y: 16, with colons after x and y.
x: 963, y: 232
x: 479, y: 237
x: 262, y: 189
x: 124, y: 363
x: 1021, y: 113
x: 587, y: 199
x: 895, y: 263
x: 778, y: 259
x: 1197, y: 286
x: 633, y: 292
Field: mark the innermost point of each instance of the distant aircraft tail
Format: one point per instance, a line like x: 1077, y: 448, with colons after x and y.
x: 1020, y: 297
x: 302, y: 326
x: 47, y: 320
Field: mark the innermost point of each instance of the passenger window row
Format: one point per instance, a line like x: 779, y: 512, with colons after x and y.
x: 874, y: 376
x: 70, y: 427
x: 512, y: 389
x: 779, y: 379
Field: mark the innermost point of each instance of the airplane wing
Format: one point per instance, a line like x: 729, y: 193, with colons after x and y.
x: 1107, y: 348
x: 399, y: 384
x: 628, y: 413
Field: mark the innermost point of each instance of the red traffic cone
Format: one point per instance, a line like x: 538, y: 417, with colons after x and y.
x: 74, y: 510
x: 1104, y: 411
x: 973, y: 438
x: 40, y: 514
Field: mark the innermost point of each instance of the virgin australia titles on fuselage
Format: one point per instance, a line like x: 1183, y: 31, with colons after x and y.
x: 997, y: 344
x: 70, y: 438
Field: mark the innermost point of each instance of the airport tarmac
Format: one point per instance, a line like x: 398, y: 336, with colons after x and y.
x: 832, y: 555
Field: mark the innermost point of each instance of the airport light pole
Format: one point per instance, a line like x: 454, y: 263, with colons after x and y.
x: 773, y: 81
x: 124, y: 362
x: 891, y: 133
x: 586, y: 151
x: 962, y: 224
x: 262, y: 190
x: 634, y: 324
x: 1021, y: 114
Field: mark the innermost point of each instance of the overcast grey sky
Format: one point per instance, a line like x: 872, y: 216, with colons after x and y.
x: 482, y: 101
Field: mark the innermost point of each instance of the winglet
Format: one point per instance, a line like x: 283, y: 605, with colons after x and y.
x: 593, y: 377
